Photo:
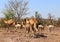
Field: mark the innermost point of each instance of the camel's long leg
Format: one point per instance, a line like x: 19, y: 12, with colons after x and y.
x: 35, y: 28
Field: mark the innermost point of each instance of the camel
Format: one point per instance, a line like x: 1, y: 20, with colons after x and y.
x: 41, y: 27
x: 50, y: 27
x: 33, y: 23
x: 9, y: 22
x: 26, y: 25
x: 18, y: 26
x: 30, y: 24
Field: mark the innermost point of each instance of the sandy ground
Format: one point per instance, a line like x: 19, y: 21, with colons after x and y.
x: 20, y: 36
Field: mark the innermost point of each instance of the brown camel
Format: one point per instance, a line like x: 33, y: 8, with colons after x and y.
x: 9, y: 22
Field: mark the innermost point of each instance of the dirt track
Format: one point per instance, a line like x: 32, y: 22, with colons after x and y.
x: 11, y: 36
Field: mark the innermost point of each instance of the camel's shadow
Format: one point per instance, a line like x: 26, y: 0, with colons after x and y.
x: 39, y: 35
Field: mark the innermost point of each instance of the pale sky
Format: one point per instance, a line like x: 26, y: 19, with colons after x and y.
x: 42, y: 6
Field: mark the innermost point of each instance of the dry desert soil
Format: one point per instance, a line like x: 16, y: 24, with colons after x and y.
x: 21, y: 36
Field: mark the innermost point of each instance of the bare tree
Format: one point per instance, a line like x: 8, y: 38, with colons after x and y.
x: 19, y: 7
x: 58, y: 21
x: 50, y: 18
